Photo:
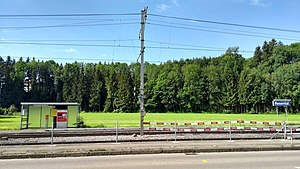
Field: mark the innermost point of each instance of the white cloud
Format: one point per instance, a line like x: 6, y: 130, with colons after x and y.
x: 257, y: 3
x: 162, y: 7
x: 4, y: 30
x: 175, y: 2
x: 165, y: 7
x: 71, y: 50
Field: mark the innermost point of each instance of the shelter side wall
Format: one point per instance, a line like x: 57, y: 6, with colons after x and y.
x: 72, y: 116
x: 34, y: 116
x: 37, y: 116
x: 46, y: 110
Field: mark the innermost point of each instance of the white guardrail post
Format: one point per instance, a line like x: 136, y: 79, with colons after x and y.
x: 291, y: 135
x: 175, y: 131
x: 52, y: 133
x: 117, y: 126
x: 284, y: 126
x: 230, y: 130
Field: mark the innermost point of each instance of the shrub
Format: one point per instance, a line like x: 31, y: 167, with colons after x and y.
x: 11, y: 110
x: 252, y: 111
x: 3, y: 111
x: 80, y: 123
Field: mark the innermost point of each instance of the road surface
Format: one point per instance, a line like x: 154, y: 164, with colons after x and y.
x: 233, y: 160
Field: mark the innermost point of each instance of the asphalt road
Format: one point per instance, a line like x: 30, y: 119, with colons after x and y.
x: 235, y: 160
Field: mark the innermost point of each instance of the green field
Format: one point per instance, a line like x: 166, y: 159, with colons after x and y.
x: 132, y: 119
x: 108, y: 120
x: 9, y: 122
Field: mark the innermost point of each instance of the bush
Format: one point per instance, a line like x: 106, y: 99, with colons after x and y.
x: 227, y: 111
x: 252, y: 111
x: 3, y: 111
x: 80, y: 123
x: 12, y: 110
x: 8, y: 111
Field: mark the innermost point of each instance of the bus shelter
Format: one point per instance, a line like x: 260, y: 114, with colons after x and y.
x: 44, y: 115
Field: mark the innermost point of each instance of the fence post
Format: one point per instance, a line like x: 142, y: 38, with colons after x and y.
x: 52, y: 133
x: 175, y: 131
x: 291, y: 135
x: 46, y: 121
x: 284, y: 125
x: 230, y: 130
x: 117, y: 131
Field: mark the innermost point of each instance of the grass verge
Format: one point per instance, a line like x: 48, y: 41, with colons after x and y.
x: 108, y: 120
x: 132, y: 119
x: 9, y: 122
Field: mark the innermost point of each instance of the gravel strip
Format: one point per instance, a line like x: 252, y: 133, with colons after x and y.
x: 129, y: 138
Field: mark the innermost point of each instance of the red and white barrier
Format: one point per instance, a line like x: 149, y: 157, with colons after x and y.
x: 196, y: 126
x: 201, y: 123
x: 217, y: 129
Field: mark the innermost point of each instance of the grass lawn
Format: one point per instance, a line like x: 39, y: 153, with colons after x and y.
x: 108, y: 120
x: 132, y: 119
x: 9, y: 122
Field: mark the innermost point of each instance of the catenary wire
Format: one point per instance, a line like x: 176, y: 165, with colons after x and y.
x: 67, y: 40
x: 107, y: 40
x: 66, y: 25
x: 118, y: 46
x: 181, y: 44
x: 226, y: 23
x: 71, y: 15
x: 228, y: 29
x: 89, y: 59
x: 69, y: 19
x: 222, y: 32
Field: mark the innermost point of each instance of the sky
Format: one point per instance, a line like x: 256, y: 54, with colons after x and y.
x: 174, y: 30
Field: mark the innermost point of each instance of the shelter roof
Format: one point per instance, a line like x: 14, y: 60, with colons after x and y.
x: 50, y: 103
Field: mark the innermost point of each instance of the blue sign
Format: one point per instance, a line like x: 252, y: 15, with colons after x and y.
x: 281, y: 102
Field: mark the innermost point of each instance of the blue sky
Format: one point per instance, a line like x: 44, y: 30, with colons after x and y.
x: 116, y: 37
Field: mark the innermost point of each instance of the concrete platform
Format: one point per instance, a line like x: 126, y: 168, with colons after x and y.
x: 125, y: 148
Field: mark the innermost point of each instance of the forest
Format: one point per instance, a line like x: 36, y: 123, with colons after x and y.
x: 228, y: 83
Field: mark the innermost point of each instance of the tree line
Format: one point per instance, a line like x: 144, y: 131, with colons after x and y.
x: 228, y: 83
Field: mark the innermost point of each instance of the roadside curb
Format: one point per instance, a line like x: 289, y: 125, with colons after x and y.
x: 103, y: 152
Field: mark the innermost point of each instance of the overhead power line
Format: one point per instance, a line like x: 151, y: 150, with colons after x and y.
x: 104, y: 40
x: 68, y: 40
x: 67, y: 25
x: 89, y: 59
x: 226, y: 23
x: 223, y: 32
x: 118, y: 46
x: 222, y: 29
x: 65, y: 44
x: 67, y: 19
x: 195, y: 49
x: 70, y: 15
x: 110, y: 40
x: 181, y: 44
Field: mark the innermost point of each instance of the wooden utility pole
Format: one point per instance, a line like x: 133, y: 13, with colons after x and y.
x: 142, y: 36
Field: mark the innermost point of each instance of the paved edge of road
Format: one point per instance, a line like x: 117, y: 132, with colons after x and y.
x: 104, y: 152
